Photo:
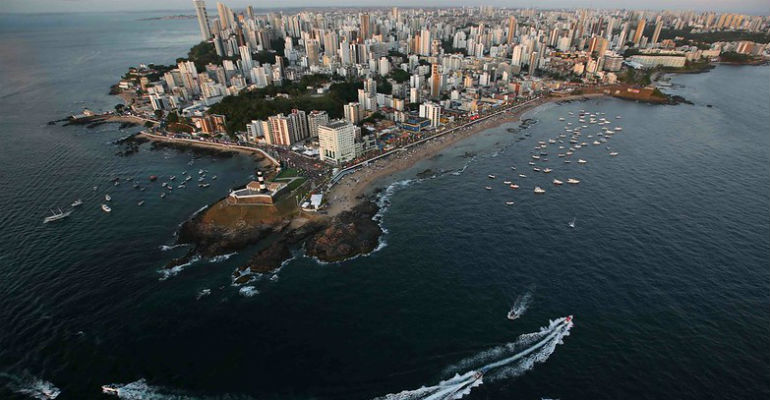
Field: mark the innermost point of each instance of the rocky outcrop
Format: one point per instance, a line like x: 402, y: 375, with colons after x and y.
x: 349, y: 234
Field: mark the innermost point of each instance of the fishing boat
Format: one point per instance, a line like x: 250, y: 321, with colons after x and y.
x: 573, y: 181
x: 55, y: 216
x: 107, y: 197
x: 539, y: 190
x: 77, y: 203
x: 106, y: 208
x: 557, y: 182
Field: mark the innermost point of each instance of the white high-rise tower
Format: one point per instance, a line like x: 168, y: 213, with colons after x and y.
x: 203, y: 19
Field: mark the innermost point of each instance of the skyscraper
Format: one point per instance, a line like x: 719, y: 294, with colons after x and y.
x: 365, y: 27
x: 656, y: 34
x: 435, y: 81
x: 511, y: 29
x: 203, y: 19
x: 639, y: 30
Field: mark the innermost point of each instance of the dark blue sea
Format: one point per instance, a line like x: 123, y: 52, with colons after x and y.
x: 667, y: 270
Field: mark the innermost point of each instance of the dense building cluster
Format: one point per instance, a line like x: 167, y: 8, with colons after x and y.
x: 433, y: 65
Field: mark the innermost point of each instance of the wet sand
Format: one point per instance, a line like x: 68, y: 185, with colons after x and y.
x: 351, y: 189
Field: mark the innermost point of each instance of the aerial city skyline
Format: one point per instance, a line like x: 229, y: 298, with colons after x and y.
x: 498, y: 200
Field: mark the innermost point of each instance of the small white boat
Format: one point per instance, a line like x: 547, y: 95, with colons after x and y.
x: 557, y: 182
x: 618, y: 117
x: 509, y: 203
x: 539, y: 190
x: 561, y: 118
x: 547, y: 170
x: 513, y: 168
x: 213, y: 178
x: 582, y: 161
x: 506, y: 182
x: 200, y: 172
x: 514, y: 186
x: 106, y: 208
x: 107, y: 197
x: 573, y: 181
x: 203, y: 185
x: 77, y: 203
x: 111, y: 390
x: 488, y: 187
x: 522, y: 176
x: 567, y: 161
x: 596, y: 143
x: 536, y: 169
x: 55, y: 216
x: 614, y: 154
x: 491, y: 176
x: 172, y: 177
x: 572, y: 223
x: 535, y: 157
x: 140, y: 203
x: 617, y: 128
x: 163, y: 195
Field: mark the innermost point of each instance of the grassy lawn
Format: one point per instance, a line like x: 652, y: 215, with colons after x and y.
x: 287, y: 173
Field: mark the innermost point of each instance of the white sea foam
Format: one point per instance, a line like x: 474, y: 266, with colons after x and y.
x: 32, y: 387
x: 221, y: 258
x: 248, y: 291
x: 167, y: 247
x: 166, y: 273
x: 142, y: 390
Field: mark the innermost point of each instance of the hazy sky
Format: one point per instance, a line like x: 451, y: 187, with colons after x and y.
x: 761, y: 7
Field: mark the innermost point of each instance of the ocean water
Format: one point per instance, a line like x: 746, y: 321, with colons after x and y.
x: 666, y: 271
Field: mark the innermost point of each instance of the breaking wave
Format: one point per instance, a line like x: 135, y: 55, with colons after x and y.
x: 221, y: 258
x: 248, y: 291
x: 506, y: 361
x: 522, y: 302
x: 166, y: 273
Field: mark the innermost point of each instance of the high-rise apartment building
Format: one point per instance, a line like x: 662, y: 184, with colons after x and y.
x: 336, y: 141
x: 203, y: 19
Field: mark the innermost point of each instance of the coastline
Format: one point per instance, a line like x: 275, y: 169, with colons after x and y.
x: 355, y: 187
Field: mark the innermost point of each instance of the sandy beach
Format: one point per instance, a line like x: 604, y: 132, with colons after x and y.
x: 349, y: 191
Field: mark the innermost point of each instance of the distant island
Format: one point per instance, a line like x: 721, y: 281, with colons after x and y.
x: 168, y: 17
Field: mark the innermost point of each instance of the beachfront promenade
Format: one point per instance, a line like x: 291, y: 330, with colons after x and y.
x: 364, y: 163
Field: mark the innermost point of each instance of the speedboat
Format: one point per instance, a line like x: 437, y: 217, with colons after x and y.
x: 539, y: 190
x: 77, y: 203
x: 106, y: 208
x: 55, y: 216
x: 557, y: 182
x: 107, y: 197
x: 111, y: 389
x: 573, y: 181
x: 512, y: 314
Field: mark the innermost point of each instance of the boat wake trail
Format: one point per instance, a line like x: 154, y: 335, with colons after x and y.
x: 141, y: 390
x: 506, y: 361
x: 521, y: 304
x: 31, y: 386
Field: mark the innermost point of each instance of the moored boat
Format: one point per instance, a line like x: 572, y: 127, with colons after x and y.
x: 539, y: 190
x: 557, y: 182
x: 106, y: 208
